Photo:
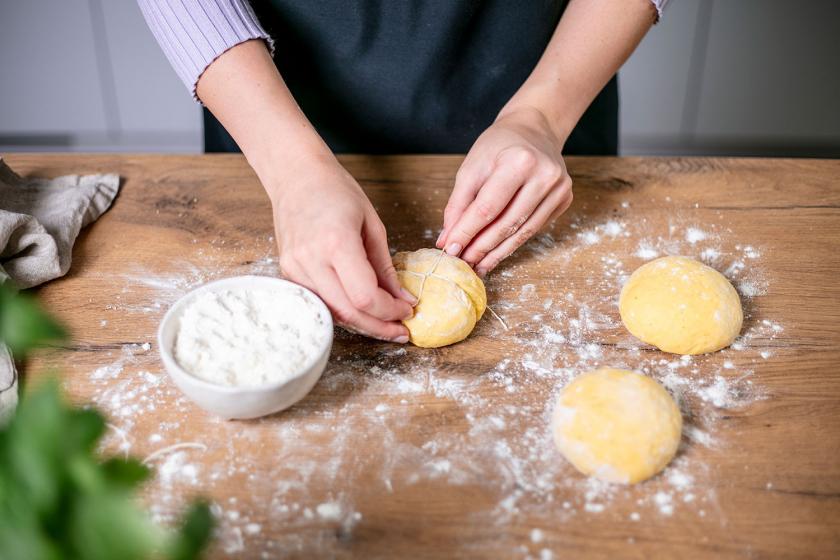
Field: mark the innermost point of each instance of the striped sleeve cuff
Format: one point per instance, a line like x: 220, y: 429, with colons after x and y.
x: 659, y: 5
x: 194, y: 33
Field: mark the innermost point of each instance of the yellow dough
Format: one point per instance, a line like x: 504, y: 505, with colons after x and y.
x: 451, y: 297
x: 682, y: 306
x: 617, y: 425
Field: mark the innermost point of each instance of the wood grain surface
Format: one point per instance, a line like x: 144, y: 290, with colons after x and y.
x: 446, y: 453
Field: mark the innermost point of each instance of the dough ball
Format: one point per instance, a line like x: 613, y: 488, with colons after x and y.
x: 453, y: 298
x: 682, y: 306
x: 617, y: 425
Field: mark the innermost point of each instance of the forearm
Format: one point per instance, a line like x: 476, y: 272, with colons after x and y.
x: 591, y: 42
x: 244, y: 90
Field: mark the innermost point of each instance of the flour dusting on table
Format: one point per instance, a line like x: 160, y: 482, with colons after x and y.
x: 398, y: 397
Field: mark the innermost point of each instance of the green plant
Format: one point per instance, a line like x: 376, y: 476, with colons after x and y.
x: 58, y: 499
x: 23, y: 324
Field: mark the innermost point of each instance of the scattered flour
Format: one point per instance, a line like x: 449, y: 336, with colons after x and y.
x: 329, y: 511
x: 693, y: 235
x: 664, y: 502
x: 499, y: 441
x: 646, y: 252
x: 710, y: 255
x: 613, y: 228
x: 590, y: 237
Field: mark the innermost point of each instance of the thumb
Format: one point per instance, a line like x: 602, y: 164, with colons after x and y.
x: 468, y: 180
x: 376, y: 246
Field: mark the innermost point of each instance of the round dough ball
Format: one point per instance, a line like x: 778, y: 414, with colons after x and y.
x: 617, y: 425
x: 682, y: 306
x: 453, y: 298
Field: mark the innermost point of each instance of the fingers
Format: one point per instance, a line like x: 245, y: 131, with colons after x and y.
x: 330, y: 289
x: 557, y: 201
x: 524, y: 202
x: 561, y: 209
x: 322, y: 278
x: 467, y: 182
x: 361, y: 286
x: 376, y: 246
x: 513, y: 167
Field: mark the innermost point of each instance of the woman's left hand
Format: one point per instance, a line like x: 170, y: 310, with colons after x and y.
x: 511, y: 183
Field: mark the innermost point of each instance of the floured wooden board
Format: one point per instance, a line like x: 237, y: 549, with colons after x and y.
x: 407, y: 452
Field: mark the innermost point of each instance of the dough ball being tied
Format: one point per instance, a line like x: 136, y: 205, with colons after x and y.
x: 617, y: 425
x: 682, y: 306
x: 451, y: 298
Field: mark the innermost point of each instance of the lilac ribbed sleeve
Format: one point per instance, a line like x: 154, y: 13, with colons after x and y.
x: 193, y: 33
x: 659, y: 5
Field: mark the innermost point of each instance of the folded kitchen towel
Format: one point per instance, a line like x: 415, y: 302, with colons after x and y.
x: 40, y: 219
x: 39, y: 222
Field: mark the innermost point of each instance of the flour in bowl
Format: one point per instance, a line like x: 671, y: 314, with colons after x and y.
x: 246, y: 338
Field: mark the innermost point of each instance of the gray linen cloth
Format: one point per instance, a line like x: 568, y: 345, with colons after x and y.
x: 39, y: 222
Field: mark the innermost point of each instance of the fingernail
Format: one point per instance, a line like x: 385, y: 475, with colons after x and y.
x: 401, y: 339
x: 482, y: 272
x: 440, y: 238
x: 408, y: 296
x: 454, y: 249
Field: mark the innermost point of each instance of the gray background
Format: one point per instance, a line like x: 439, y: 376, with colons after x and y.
x: 727, y: 77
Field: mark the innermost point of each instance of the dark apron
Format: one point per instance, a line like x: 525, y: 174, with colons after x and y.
x: 398, y: 76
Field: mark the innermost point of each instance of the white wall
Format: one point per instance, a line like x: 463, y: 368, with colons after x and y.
x: 753, y: 77
x: 87, y: 75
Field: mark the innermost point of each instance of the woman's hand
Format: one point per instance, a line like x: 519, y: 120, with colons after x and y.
x: 332, y: 241
x: 330, y: 238
x: 514, y: 180
x: 511, y: 183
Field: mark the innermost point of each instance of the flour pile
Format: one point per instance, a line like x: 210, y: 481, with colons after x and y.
x: 250, y: 337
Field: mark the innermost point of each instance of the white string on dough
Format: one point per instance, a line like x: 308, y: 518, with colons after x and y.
x: 431, y: 272
x: 169, y: 448
x: 427, y: 274
x: 496, y: 315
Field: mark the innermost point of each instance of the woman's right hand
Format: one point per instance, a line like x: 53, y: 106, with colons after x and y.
x: 332, y: 241
x: 330, y: 238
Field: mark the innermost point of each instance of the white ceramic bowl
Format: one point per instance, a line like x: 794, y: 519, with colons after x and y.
x: 231, y: 401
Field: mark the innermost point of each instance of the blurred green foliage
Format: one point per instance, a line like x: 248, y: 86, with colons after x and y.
x: 23, y: 324
x: 58, y: 499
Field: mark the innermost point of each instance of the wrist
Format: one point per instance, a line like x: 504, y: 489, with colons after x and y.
x: 282, y: 162
x: 549, y: 109
x: 536, y: 119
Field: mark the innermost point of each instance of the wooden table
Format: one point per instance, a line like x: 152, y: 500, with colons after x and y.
x: 405, y: 452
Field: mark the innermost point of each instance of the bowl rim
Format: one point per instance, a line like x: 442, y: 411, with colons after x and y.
x: 167, y: 354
